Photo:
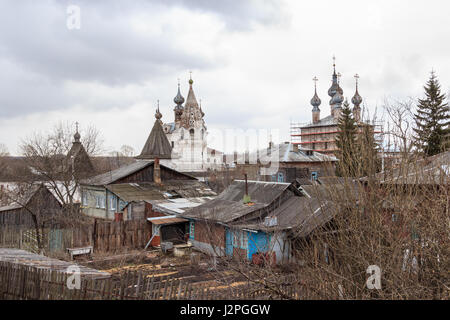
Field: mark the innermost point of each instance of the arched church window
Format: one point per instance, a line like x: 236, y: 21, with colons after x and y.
x: 182, y: 134
x: 192, y: 132
x: 203, y: 134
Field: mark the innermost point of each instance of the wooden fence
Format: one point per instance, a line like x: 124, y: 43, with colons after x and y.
x: 104, y: 236
x: 19, y: 282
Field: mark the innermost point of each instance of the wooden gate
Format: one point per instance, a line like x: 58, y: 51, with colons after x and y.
x: 29, y: 241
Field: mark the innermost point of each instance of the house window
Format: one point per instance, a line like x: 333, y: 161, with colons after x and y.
x: 113, y: 203
x: 280, y: 177
x: 130, y: 211
x: 240, y: 239
x: 326, y: 146
x: 84, y: 198
x: 100, y: 202
x: 244, y: 239
x: 191, y: 230
x: 314, y: 146
x: 314, y: 176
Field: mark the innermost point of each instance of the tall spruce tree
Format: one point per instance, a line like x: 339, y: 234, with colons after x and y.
x: 346, y: 143
x: 432, y: 120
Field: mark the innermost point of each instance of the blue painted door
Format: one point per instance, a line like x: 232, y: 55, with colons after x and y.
x: 229, y: 243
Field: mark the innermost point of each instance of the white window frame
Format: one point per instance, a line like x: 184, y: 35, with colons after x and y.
x: 100, y: 202
x: 113, y: 203
x: 84, y: 199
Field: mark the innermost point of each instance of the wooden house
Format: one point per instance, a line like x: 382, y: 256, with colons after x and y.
x: 36, y: 202
x: 254, y: 218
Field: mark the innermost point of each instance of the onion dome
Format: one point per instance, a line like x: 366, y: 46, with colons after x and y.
x: 315, y: 101
x: 179, y: 99
x: 338, y: 98
x: 357, y: 100
x: 335, y: 82
x: 158, y: 114
x: 76, y: 136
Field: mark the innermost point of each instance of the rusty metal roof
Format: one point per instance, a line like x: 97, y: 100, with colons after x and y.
x: 167, y: 221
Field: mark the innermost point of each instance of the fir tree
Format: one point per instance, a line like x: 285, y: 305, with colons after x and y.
x: 432, y: 120
x: 346, y: 143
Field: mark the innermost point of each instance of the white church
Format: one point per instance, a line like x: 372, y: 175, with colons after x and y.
x: 187, y: 136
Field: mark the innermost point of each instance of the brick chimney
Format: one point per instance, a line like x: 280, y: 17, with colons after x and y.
x: 156, y: 171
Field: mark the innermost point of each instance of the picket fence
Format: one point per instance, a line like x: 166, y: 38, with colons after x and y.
x: 19, y: 282
x: 104, y: 236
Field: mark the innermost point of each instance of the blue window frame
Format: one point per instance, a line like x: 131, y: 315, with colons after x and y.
x: 191, y: 230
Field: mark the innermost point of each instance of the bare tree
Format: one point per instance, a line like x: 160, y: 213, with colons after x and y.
x: 46, y: 155
x: 3, y: 150
x: 400, y: 114
x: 127, y: 151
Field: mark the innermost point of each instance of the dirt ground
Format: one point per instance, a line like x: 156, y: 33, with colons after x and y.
x: 194, y: 267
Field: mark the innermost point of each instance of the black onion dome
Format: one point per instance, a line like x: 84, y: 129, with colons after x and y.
x: 338, y: 98
x: 357, y: 100
x: 179, y: 99
x: 158, y: 114
x: 315, y: 101
x: 77, y: 137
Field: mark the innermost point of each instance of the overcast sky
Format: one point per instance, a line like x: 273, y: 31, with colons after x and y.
x: 252, y: 61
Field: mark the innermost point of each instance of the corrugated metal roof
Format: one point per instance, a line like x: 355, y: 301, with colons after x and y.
x: 229, y: 205
x: 153, y: 191
x: 284, y: 152
x: 112, y: 176
x: 178, y: 206
x: 324, y: 122
x: 303, y: 214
